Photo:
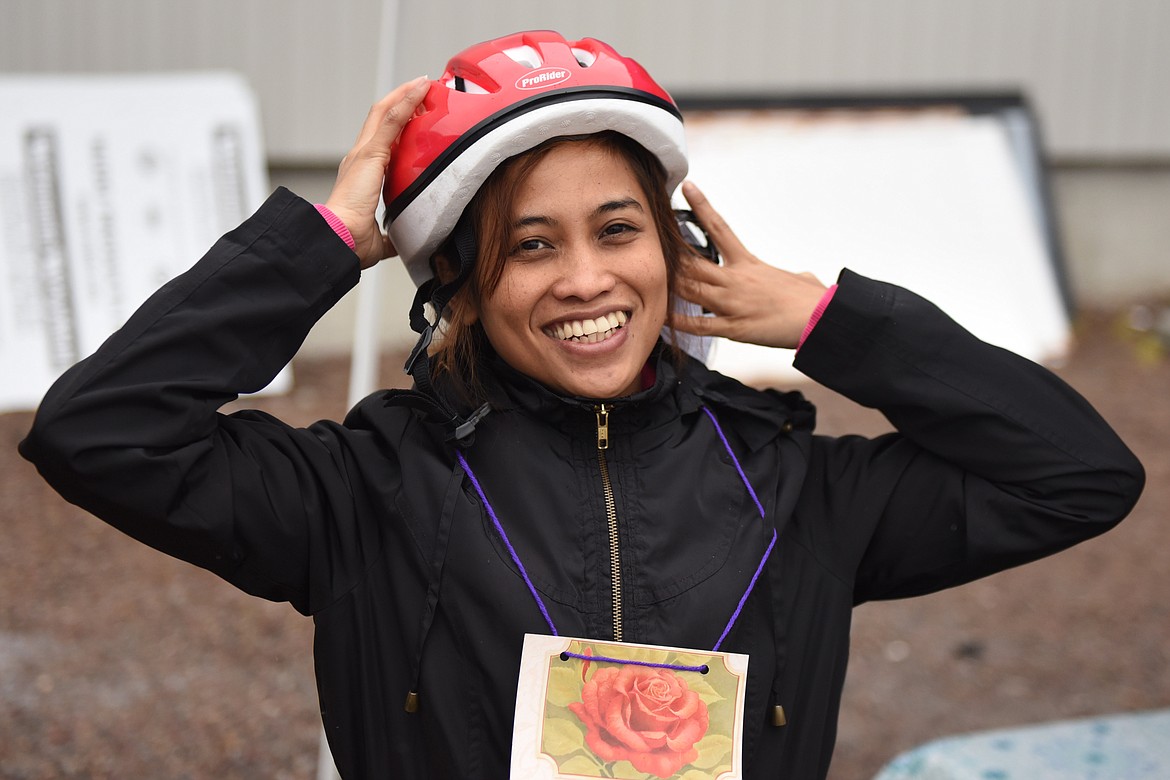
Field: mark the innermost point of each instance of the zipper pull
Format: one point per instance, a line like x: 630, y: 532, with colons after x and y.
x: 602, y: 427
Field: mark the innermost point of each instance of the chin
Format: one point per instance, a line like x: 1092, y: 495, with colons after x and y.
x: 601, y: 390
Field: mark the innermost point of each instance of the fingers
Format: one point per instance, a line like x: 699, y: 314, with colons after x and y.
x: 721, y: 233
x: 700, y: 285
x: 362, y: 172
x: 400, y: 111
x: 701, y: 270
x: 710, y: 326
x: 694, y: 324
x: 393, y: 110
x: 383, y: 125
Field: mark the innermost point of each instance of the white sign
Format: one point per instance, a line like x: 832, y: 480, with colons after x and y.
x: 938, y: 202
x: 110, y: 186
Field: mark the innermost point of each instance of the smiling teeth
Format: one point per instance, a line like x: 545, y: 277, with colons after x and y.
x: 589, y: 331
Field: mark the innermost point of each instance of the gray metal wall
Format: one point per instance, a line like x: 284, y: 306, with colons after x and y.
x: 1096, y: 69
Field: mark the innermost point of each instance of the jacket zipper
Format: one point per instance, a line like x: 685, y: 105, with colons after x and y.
x: 615, y: 561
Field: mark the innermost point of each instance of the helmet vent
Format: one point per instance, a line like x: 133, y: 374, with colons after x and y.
x: 584, y: 58
x: 525, y: 55
x: 460, y: 84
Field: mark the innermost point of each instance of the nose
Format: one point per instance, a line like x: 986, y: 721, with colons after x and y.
x: 584, y: 274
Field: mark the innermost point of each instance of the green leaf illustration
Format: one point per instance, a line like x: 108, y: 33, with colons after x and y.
x: 715, y: 750
x: 625, y: 770
x: 564, y: 684
x: 690, y: 659
x: 639, y: 654
x: 561, y: 737
x: 580, y: 765
x: 700, y: 686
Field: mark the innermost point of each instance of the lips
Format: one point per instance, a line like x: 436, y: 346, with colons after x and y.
x: 588, y: 331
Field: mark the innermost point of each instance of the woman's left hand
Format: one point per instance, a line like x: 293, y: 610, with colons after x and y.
x: 750, y: 300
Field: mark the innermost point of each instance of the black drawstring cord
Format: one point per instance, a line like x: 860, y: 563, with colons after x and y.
x: 434, y: 580
x: 779, y: 642
x: 425, y: 398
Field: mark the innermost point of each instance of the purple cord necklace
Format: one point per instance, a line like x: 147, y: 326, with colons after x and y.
x: 540, y: 602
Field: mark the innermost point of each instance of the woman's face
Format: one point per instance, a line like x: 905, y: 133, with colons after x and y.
x: 583, y: 293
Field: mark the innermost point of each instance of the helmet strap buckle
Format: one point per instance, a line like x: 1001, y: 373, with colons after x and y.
x: 420, y: 348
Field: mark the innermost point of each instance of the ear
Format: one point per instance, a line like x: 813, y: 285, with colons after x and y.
x: 444, y: 270
x: 471, y: 305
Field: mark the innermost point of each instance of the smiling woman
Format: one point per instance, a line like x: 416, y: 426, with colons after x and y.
x: 559, y: 467
x: 572, y: 286
x: 580, y: 256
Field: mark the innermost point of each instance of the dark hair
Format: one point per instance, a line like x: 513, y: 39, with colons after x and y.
x: 458, y: 351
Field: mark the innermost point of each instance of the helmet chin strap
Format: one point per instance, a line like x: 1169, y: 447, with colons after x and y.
x: 418, y: 364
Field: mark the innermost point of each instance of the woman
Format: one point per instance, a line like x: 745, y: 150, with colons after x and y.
x: 560, y: 468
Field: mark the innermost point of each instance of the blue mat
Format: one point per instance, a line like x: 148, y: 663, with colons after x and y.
x: 1115, y: 747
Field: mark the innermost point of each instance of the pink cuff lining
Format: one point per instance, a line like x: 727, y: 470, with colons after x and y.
x: 816, y: 315
x: 338, y: 226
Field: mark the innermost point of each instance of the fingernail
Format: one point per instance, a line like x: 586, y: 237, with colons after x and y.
x: 417, y: 89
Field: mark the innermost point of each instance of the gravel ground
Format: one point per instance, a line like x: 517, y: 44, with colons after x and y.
x: 116, y: 661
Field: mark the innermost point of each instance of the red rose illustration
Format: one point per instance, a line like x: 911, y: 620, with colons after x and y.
x: 644, y: 715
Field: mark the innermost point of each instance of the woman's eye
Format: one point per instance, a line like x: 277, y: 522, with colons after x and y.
x: 618, y: 229
x: 531, y: 245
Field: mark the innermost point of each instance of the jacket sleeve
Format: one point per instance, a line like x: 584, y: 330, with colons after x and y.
x: 133, y: 433
x: 995, y: 461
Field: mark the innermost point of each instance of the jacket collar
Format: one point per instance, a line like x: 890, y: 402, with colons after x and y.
x: 676, y: 392
x: 508, y: 389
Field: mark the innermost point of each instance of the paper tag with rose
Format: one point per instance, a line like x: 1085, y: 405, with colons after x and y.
x: 583, y: 718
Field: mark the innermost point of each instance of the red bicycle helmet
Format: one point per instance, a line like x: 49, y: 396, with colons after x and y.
x: 503, y: 97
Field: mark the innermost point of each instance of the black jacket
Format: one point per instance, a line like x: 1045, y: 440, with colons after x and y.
x: 372, y: 527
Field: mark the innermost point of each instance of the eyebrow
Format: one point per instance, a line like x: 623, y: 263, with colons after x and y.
x: 604, y: 208
x: 617, y: 205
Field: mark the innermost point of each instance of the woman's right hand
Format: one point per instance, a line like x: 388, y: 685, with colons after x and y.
x: 355, y: 194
